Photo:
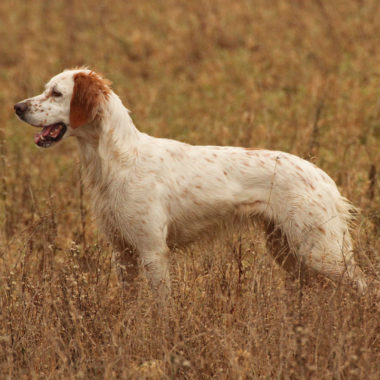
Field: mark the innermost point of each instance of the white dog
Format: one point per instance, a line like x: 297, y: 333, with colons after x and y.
x: 150, y: 194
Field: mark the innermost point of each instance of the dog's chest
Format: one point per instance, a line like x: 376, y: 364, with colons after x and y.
x: 112, y: 208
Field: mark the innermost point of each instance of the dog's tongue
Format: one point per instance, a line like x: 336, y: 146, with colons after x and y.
x: 37, y: 137
x: 50, y: 130
x: 46, y: 130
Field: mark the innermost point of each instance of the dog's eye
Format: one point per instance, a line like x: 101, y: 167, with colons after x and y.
x: 56, y: 93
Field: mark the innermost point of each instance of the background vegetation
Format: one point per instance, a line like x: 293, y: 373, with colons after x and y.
x: 300, y: 76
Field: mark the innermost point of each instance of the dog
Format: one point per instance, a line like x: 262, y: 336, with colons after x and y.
x: 151, y: 194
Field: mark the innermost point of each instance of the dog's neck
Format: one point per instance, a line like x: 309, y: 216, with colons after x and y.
x: 107, y: 143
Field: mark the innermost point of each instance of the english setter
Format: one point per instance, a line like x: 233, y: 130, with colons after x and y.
x: 150, y: 194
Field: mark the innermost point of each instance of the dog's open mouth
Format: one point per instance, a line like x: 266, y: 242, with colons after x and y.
x: 50, y: 134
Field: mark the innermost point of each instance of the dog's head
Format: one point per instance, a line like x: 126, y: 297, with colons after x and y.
x: 71, y: 100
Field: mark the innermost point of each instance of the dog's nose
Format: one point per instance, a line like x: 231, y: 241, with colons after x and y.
x: 20, y: 108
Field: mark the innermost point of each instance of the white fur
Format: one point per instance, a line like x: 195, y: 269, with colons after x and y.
x: 150, y: 193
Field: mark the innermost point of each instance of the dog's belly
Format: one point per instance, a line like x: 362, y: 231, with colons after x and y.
x: 179, y: 235
x: 185, y: 231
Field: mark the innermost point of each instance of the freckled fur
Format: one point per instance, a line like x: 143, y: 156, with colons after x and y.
x: 150, y: 193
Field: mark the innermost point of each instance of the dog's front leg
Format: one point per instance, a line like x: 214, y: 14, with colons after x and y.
x: 156, y: 266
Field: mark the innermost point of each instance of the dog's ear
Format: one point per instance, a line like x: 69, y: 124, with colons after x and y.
x: 90, y: 90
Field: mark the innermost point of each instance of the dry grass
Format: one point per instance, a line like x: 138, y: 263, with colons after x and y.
x: 300, y: 76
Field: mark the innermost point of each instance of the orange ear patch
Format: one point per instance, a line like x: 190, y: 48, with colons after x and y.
x: 90, y: 89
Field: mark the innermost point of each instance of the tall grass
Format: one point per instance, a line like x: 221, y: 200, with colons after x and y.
x: 300, y: 76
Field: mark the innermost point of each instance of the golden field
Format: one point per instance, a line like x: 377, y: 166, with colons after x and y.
x: 299, y: 76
